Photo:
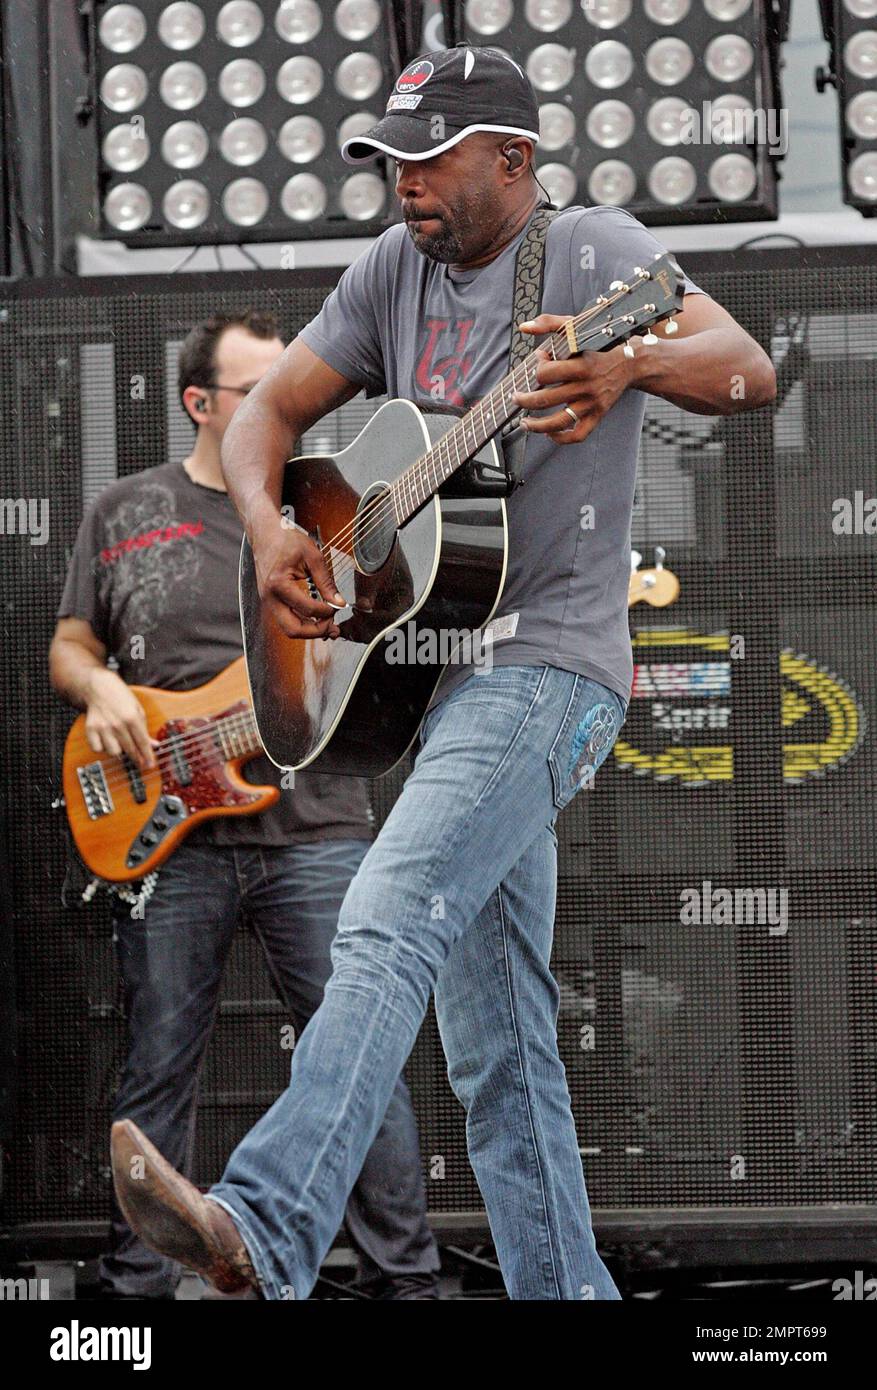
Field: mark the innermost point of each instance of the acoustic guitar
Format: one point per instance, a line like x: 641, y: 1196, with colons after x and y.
x: 405, y: 555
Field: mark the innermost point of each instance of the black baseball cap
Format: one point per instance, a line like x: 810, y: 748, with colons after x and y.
x: 470, y: 88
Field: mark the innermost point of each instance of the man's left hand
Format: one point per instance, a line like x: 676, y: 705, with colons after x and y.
x: 589, y: 385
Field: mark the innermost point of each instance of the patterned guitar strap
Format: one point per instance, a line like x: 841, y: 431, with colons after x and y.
x: 529, y: 277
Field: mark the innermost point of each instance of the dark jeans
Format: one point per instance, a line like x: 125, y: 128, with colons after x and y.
x: 171, y: 961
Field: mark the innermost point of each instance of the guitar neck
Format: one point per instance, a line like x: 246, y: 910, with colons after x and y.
x: 496, y: 409
x: 467, y: 436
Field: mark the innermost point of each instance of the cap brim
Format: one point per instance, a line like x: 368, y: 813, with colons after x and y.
x: 399, y: 135
x: 409, y: 137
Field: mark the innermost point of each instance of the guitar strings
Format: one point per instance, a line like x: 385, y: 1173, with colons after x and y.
x: 244, y: 722
x: 380, y: 512
x: 558, y: 340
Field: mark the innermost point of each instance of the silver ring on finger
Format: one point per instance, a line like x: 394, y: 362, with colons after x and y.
x: 572, y: 415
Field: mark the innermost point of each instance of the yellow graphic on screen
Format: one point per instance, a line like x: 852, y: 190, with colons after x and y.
x: 808, y: 690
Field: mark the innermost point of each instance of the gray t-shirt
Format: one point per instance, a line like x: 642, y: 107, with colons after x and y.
x: 400, y: 323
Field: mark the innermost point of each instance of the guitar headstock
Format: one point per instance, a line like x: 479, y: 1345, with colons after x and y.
x: 651, y: 293
x: 657, y: 586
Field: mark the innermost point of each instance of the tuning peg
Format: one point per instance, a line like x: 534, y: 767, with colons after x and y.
x: 671, y: 326
x: 628, y: 350
x: 649, y: 338
x: 660, y: 557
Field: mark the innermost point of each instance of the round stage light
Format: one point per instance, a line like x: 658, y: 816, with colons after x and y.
x: 666, y: 11
x: 729, y: 57
x: 732, y: 178
x: 239, y: 23
x: 669, y: 61
x: 612, y: 182
x: 299, y: 80
x: 860, y: 54
x: 122, y: 28
x: 182, y: 86
x: 862, y: 176
x: 862, y: 115
x: 186, y: 204
x: 185, y: 145
x: 354, y: 125
x: 669, y: 119
x: 557, y: 126
x: 550, y: 67
x: 127, y: 207
x: 488, y: 16
x: 548, y: 15
x: 358, y: 76
x: 243, y: 141
x: 861, y: 9
x: 181, y: 26
x: 304, y: 197
x: 245, y: 202
x: 124, y: 87
x: 741, y: 115
x: 362, y: 196
x: 242, y: 82
x: 726, y: 10
x: 610, y: 124
x: 607, y: 14
x: 609, y: 64
x: 302, y: 139
x: 560, y: 183
x: 672, y: 180
x: 356, y: 20
x: 298, y: 21
x: 126, y: 148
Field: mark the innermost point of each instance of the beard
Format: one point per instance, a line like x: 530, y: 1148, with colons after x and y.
x: 442, y: 245
x: 460, y: 234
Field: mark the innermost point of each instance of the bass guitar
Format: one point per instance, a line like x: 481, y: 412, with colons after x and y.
x: 125, y: 820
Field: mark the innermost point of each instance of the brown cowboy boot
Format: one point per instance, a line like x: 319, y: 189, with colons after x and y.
x: 172, y: 1216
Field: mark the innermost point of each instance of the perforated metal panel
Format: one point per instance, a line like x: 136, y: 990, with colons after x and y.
x: 710, y: 1065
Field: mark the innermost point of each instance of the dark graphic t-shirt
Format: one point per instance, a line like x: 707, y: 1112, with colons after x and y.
x: 154, y: 572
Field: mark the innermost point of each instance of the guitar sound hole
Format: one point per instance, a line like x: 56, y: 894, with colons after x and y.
x: 374, y: 529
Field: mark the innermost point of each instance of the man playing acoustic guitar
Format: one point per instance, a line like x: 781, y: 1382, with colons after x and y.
x: 153, y: 583
x: 457, y: 893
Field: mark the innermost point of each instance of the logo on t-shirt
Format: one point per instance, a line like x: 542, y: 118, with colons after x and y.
x: 442, y: 376
x: 414, y: 76
x: 159, y: 536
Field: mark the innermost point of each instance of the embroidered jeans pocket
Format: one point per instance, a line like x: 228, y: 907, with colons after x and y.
x: 590, y: 726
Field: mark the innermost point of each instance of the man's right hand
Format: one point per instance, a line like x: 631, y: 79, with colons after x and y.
x: 115, y: 721
x: 283, y: 557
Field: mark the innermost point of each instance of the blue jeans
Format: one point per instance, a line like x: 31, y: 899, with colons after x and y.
x: 456, y: 895
x: 171, y: 963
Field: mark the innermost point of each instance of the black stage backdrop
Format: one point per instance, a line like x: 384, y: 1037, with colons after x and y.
x: 711, y: 1066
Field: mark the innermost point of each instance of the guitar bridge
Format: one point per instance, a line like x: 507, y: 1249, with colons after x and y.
x: 95, y: 791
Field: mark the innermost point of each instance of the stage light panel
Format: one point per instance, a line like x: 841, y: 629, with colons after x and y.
x: 222, y: 121
x: 670, y: 108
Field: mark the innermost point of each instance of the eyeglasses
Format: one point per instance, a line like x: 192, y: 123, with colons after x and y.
x: 241, y: 390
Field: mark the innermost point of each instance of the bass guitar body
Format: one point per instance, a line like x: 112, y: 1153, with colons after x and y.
x: 354, y: 705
